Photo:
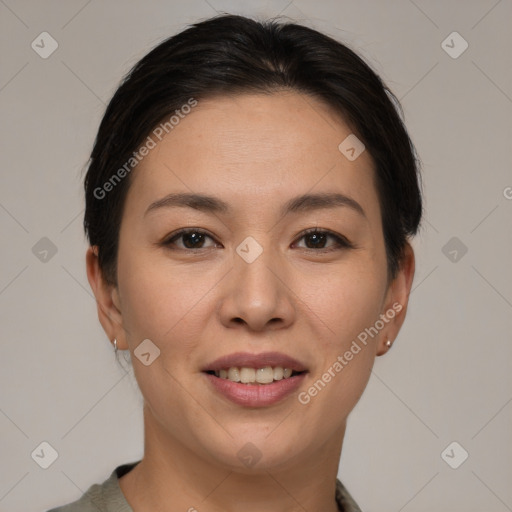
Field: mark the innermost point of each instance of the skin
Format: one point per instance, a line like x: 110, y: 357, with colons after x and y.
x: 255, y: 152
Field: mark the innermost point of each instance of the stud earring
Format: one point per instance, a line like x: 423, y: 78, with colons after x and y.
x: 389, y: 343
x: 115, y: 346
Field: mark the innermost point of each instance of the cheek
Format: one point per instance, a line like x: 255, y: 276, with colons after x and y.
x: 163, y: 302
x: 168, y: 306
x: 344, y: 306
x: 346, y: 302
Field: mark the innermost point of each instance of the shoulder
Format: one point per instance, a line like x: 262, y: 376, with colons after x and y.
x: 85, y: 504
x: 104, y: 497
x: 91, y: 501
x: 345, y: 501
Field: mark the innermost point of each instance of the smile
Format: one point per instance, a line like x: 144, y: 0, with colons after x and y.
x: 265, y: 375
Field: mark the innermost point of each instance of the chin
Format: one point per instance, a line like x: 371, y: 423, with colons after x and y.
x: 255, y: 451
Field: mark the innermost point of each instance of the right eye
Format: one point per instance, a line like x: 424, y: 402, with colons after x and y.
x: 191, y: 238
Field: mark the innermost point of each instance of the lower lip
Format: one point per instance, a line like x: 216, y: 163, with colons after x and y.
x: 256, y: 395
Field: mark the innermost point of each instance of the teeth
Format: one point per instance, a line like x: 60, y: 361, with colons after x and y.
x: 278, y: 373
x: 247, y: 375
x: 264, y: 375
x: 233, y: 374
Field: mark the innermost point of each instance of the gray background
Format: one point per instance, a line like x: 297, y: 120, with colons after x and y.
x: 448, y: 375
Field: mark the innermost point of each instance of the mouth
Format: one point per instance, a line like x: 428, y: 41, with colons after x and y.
x: 259, y: 376
x: 255, y: 380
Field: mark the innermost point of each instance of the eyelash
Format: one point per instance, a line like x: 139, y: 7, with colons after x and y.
x: 341, y: 241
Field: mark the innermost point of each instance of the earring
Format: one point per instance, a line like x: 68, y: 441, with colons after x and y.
x: 115, y: 345
x: 389, y: 343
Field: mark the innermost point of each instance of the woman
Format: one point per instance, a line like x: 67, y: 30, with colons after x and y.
x: 249, y: 204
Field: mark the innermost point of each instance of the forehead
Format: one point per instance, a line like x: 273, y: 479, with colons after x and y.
x: 254, y: 147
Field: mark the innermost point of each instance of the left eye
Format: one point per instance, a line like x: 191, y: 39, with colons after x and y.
x: 316, y: 239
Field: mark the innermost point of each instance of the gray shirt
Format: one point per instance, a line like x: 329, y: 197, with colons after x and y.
x: 108, y: 497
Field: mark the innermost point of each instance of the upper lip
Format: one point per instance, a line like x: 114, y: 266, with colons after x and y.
x: 248, y: 360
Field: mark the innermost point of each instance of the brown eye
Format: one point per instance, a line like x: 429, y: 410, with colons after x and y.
x: 316, y: 239
x: 190, y: 239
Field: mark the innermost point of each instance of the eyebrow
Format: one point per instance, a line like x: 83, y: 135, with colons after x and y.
x: 302, y: 203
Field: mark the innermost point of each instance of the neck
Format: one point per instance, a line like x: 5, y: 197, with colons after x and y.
x: 173, y: 478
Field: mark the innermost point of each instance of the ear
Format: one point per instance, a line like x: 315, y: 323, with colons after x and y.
x: 107, y: 300
x: 397, y: 299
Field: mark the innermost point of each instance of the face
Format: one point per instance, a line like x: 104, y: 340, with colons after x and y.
x: 257, y: 271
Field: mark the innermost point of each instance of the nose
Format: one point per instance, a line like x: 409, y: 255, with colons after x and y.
x: 257, y: 294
